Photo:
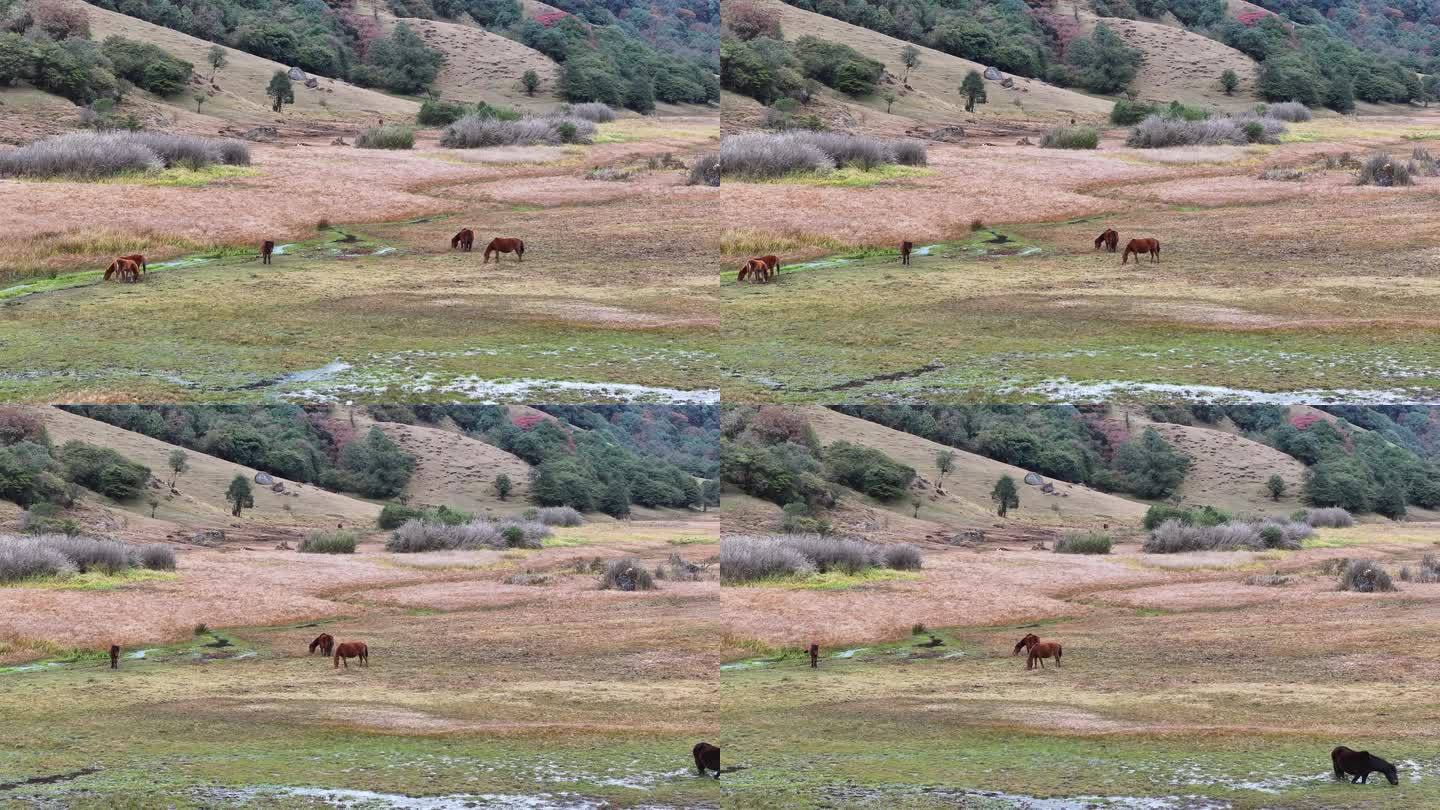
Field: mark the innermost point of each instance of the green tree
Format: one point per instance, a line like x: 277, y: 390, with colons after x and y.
x: 1005, y: 496
x: 889, y: 96
x: 615, y: 500
x: 916, y: 502
x: 530, y: 81
x: 239, y: 495
x: 16, y: 58
x: 280, y: 91
x: 1276, y: 487
x: 973, y: 89
x: 1103, y: 63
x: 179, y: 464
x: 200, y: 98
x: 709, y: 494
x: 502, y: 486
x: 1390, y: 501
x: 910, y: 58
x: 1150, y: 467
x: 1229, y: 80
x: 154, y: 502
x: 217, y: 59
x: 944, y: 462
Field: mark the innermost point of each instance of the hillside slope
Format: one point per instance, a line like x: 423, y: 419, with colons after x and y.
x: 935, y: 95
x: 239, y: 87
x: 967, y: 488
x: 481, y: 66
x: 202, y: 488
x: 455, y: 470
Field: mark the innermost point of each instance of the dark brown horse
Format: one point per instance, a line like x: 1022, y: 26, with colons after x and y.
x: 501, y: 244
x: 352, y: 649
x: 814, y: 656
x: 464, y: 240
x: 707, y: 758
x: 1108, y: 240
x: 905, y: 248
x: 324, y: 642
x: 114, y: 656
x: 1358, y: 765
x: 1139, y: 246
x: 1038, y: 650
x: 267, y: 248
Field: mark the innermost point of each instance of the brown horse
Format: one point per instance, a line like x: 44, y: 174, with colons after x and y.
x: 352, y: 649
x: 1038, y: 650
x: 814, y: 656
x: 126, y: 269
x: 114, y: 656
x: 905, y: 248
x: 1139, y: 246
x: 1358, y: 765
x: 464, y: 240
x: 267, y: 248
x: 760, y: 269
x: 707, y: 758
x: 502, y: 244
x: 1109, y: 239
x: 139, y: 259
x: 324, y: 642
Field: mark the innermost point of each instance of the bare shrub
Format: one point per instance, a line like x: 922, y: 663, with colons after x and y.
x: 1288, y: 111
x: 1269, y: 580
x: 1364, y: 576
x: 528, y: 578
x: 590, y: 111
x: 834, y: 553
x: 473, y: 132
x: 29, y: 558
x: 559, y: 516
x: 760, y: 156
x: 523, y: 533
x: 88, y: 554
x: 910, y: 152
x: 1428, y: 571
x: 19, y: 424
x: 1173, y: 537
x: 626, y: 574
x: 705, y: 171
x: 420, y: 535
x: 901, y: 557
x: 1329, y: 517
x: 1382, y: 170
x: 1284, y: 174
x: 746, y: 559
x: 90, y: 155
x: 156, y: 557
x: 1156, y: 132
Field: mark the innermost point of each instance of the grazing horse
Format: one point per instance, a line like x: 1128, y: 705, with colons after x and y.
x: 126, y: 269
x: 707, y: 758
x: 266, y: 249
x: 114, y: 656
x: 352, y: 649
x: 464, y: 240
x: 324, y: 642
x: 1139, y: 246
x: 760, y: 269
x: 1109, y: 239
x: 139, y: 259
x: 502, y: 244
x: 814, y: 656
x: 905, y: 248
x: 1038, y: 650
x: 1358, y: 765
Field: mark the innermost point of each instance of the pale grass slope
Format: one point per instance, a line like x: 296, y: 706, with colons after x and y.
x: 966, y: 501
x: 481, y: 66
x: 455, y: 470
x: 238, y: 95
x: 936, y: 97
x: 202, y: 488
x: 1178, y: 64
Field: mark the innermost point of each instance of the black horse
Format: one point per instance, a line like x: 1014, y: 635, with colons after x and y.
x: 707, y: 758
x: 1358, y: 765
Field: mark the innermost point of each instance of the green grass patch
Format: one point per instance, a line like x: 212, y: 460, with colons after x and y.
x: 690, y: 541
x: 179, y: 176
x: 96, y: 580
x: 852, y: 176
x: 831, y: 580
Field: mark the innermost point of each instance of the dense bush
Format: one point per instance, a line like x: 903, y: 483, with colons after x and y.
x: 867, y: 470
x: 1156, y: 132
x: 437, y: 113
x: 760, y: 156
x: 626, y: 574
x: 156, y: 557
x: 103, y: 470
x: 1326, y: 518
x: 705, y: 171
x: 592, y: 111
x: 559, y: 516
x: 1173, y: 536
x: 419, y: 535
x: 746, y: 559
x: 1101, y: 62
x: 1381, y: 169
x: 1070, y: 138
x: 1365, y: 576
x: 474, y: 131
x: 1188, y: 516
x: 389, y: 136
x: 392, y: 516
x: 148, y: 66
x: 91, y: 155
x: 375, y: 467
x: 837, y: 65
x: 399, y: 61
x: 1288, y: 111
x: 23, y: 558
x: 1127, y: 113
x: 331, y: 542
x: 1084, y: 543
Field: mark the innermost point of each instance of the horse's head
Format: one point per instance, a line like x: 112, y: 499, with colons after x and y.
x: 1386, y: 768
x: 1026, y: 643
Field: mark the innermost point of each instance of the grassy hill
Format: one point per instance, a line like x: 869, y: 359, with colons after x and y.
x: 201, y: 501
x: 966, y: 498
x: 935, y: 97
x: 238, y: 92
